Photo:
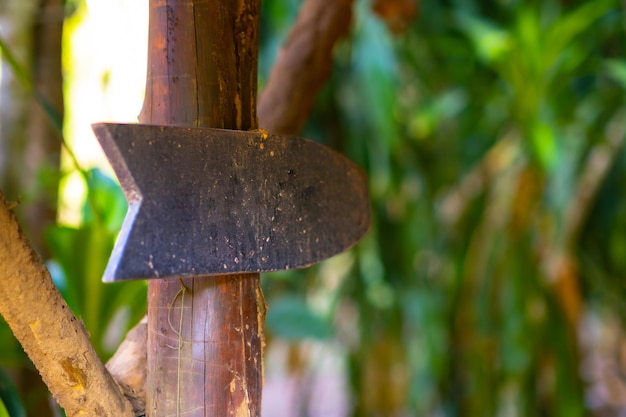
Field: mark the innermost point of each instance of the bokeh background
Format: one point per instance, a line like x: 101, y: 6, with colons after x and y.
x: 492, y: 282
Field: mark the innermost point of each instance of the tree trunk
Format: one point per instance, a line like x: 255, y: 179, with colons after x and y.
x: 30, y: 144
x: 205, y: 333
x: 303, y: 69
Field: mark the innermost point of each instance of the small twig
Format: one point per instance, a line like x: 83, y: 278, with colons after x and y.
x: 181, y: 293
x: 499, y: 157
x: 53, y: 115
x: 593, y: 174
x: 179, y: 333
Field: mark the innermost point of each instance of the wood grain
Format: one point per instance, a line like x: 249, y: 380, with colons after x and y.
x: 204, y: 335
x: 229, y: 201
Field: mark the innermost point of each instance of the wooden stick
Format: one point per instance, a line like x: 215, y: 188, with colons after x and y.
x: 294, y: 73
x: 303, y: 65
x: 204, y: 333
x: 54, y: 339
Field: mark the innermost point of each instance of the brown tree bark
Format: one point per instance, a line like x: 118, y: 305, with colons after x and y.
x: 204, y: 333
x: 232, y: 290
x: 319, y: 26
x: 55, y: 340
x: 128, y: 366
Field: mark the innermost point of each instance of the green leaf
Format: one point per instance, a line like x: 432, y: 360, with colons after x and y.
x: 616, y: 69
x: 105, y: 201
x: 290, y: 318
x: 80, y: 256
x: 24, y: 78
x: 544, y: 144
x: 10, y: 403
x: 563, y: 32
x: 11, y: 352
x: 490, y: 41
x: 3, y: 410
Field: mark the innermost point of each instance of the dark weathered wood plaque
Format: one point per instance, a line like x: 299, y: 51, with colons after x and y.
x: 210, y: 201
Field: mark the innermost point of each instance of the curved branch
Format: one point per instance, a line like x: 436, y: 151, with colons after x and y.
x: 54, y: 339
x: 303, y: 65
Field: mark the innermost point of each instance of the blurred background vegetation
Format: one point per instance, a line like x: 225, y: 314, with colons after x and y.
x: 491, y: 283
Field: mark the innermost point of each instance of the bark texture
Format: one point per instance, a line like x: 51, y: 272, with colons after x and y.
x: 205, y: 334
x: 55, y: 341
x: 295, y: 82
x: 303, y: 65
x: 128, y: 366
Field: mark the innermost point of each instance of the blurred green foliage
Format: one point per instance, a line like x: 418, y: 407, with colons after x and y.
x: 79, y: 257
x: 10, y: 404
x: 492, y: 133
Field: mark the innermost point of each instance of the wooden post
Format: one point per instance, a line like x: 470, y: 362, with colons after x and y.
x: 205, y: 334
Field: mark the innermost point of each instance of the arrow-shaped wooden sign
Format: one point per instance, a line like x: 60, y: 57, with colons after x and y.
x: 228, y: 204
x: 212, y: 201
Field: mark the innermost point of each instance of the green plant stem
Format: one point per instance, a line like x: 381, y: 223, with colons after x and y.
x: 54, y: 117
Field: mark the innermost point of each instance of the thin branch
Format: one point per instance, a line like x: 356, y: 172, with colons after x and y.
x: 594, y: 172
x: 128, y: 366
x: 303, y: 65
